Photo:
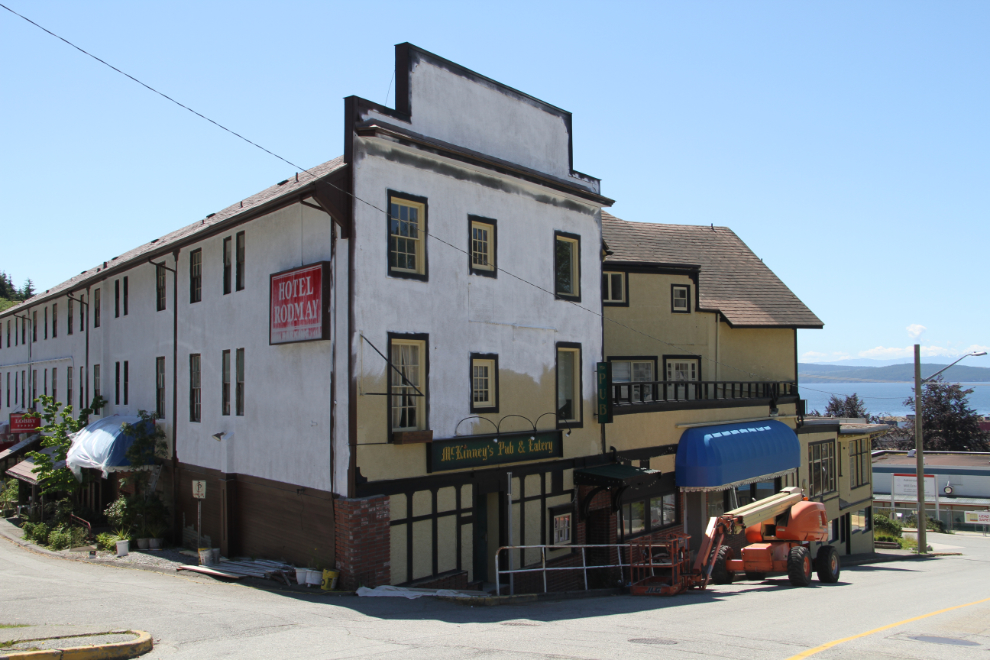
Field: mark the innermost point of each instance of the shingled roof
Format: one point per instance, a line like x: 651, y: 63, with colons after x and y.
x: 732, y: 280
x: 159, y: 246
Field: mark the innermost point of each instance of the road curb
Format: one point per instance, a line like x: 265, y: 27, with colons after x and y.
x: 518, y: 599
x: 140, y: 645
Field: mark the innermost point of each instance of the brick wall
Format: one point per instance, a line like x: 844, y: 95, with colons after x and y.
x: 363, y: 541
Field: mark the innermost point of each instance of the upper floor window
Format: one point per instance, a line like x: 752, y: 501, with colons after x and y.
x: 34, y: 326
x: 96, y: 308
x: 54, y: 320
x: 821, y: 468
x: 633, y: 371
x: 567, y: 266
x: 239, y: 256
x: 160, y: 387
x: 484, y: 382
x: 407, y: 384
x: 239, y: 384
x: 407, y: 236
x: 228, y: 265
x: 82, y: 313
x: 225, y: 382
x: 482, y: 246
x: 680, y: 301
x: 614, y: 288
x: 196, y: 275
x: 116, y: 299
x: 568, y: 384
x: 682, y: 369
x: 68, y: 317
x: 45, y: 310
x: 160, y: 298
x: 195, y: 391
x: 125, y: 296
x: 860, y: 462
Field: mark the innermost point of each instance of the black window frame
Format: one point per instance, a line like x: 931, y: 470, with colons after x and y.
x: 44, y: 311
x: 97, y: 384
x: 424, y: 387
x: 671, y: 358
x: 116, y: 299
x: 240, y: 259
x: 239, y: 378
x: 161, y: 288
x: 195, y: 388
x: 567, y: 508
x: 416, y: 199
x: 227, y: 257
x: 195, y: 279
x: 687, y: 298
x: 68, y: 386
x: 127, y: 381
x: 493, y: 223
x: 54, y: 320
x: 563, y: 236
x: 494, y: 384
x: 68, y: 316
x: 832, y: 475
x: 116, y: 397
x: 160, y: 387
x: 225, y: 383
x: 860, y: 462
x: 625, y: 288
x: 97, y: 303
x: 126, y: 295
x: 579, y: 421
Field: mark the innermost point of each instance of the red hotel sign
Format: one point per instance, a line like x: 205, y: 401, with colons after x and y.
x: 299, y: 308
x: 21, y: 424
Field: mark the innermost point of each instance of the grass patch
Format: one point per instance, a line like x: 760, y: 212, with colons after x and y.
x: 14, y: 625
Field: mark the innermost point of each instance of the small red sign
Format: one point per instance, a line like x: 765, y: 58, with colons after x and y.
x: 300, y: 301
x: 20, y: 423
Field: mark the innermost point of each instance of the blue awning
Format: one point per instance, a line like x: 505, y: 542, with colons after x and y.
x: 103, y: 446
x: 726, y: 455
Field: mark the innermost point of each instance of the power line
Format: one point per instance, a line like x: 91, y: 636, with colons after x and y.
x: 347, y: 192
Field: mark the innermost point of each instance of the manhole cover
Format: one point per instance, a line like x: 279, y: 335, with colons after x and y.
x: 931, y: 639
x: 653, y: 640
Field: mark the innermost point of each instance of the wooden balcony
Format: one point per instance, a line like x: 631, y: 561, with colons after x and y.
x: 678, y: 395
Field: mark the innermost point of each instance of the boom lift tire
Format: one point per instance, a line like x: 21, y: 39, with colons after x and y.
x: 799, y: 566
x: 757, y: 576
x: 827, y: 564
x: 721, y: 574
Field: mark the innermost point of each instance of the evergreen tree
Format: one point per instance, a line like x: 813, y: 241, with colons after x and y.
x: 947, y: 421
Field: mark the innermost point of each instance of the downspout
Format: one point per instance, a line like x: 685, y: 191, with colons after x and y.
x: 85, y: 385
x: 176, y: 525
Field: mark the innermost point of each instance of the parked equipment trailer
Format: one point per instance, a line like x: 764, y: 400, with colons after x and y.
x: 779, y: 531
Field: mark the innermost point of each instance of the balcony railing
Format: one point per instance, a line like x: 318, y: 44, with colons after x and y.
x: 669, y: 391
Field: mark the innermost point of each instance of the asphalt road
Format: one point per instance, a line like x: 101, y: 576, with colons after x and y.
x: 193, y: 617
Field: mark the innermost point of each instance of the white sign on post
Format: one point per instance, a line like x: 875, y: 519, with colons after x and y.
x: 906, y: 488
x: 977, y: 517
x: 199, y: 489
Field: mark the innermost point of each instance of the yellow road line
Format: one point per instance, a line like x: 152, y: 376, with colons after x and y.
x: 828, y: 645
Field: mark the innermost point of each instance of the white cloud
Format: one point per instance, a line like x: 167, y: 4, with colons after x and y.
x: 884, y: 353
x: 815, y: 356
x: 890, y: 353
x: 914, y: 330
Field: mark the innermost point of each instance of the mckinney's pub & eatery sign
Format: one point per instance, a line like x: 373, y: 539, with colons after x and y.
x: 299, y: 304
x: 485, y: 451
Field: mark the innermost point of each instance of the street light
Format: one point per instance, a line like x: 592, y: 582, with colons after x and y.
x: 919, y: 445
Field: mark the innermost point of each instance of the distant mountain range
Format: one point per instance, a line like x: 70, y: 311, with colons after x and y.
x: 895, y: 373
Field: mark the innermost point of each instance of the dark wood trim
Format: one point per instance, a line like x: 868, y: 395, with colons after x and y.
x: 424, y: 230
x: 688, y: 270
x: 625, y: 288
x: 493, y: 273
x: 701, y: 404
x: 483, y: 356
x: 636, y: 358
x: 414, y: 336
x: 576, y: 238
x: 674, y: 310
x: 579, y: 402
x: 682, y: 357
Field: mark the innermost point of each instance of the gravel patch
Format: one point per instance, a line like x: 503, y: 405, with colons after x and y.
x: 165, y: 559
x: 68, y: 642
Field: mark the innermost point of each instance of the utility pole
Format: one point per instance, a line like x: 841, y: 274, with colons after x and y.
x: 919, y: 451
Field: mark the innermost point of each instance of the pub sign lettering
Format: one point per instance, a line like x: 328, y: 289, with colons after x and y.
x: 483, y: 451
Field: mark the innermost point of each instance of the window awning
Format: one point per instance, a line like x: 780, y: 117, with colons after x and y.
x: 615, y: 476
x: 727, y: 455
x: 20, y: 447
x: 102, y: 446
x: 25, y: 469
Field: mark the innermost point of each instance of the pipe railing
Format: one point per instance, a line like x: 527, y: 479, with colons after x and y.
x: 666, y: 391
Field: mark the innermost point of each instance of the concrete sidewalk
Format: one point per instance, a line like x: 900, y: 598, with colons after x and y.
x: 70, y: 642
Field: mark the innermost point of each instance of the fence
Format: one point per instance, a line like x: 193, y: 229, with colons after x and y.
x: 626, y: 394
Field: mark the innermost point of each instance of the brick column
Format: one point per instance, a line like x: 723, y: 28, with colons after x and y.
x: 363, y: 541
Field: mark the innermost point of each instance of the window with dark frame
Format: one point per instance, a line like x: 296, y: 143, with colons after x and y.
x: 127, y: 380
x: 116, y: 397
x: 821, y: 468
x: 568, y: 369
x: 160, y: 387
x: 68, y: 317
x: 860, y: 462
x: 8, y: 387
x: 96, y: 384
x: 96, y: 308
x: 613, y: 288
x: 126, y: 296
x: 633, y: 370
x: 82, y: 387
x: 484, y: 382
x: 567, y: 266
x: 45, y: 310
x: 225, y: 383
x: 195, y: 393
x: 116, y: 299
x: 82, y: 313
x: 406, y: 381
x: 34, y: 389
x: 55, y: 383
x: 239, y: 386
x: 407, y: 236
x: 239, y: 251
x: 161, y: 300
x: 54, y: 320
x: 647, y: 514
x: 44, y: 379
x: 561, y: 524
x: 196, y: 275
x: 482, y: 246
x: 680, y: 299
x: 68, y: 386
x: 228, y: 264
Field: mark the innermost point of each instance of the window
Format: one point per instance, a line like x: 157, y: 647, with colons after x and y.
x: 127, y: 380
x: 562, y: 519
x: 228, y: 265
x: 68, y: 317
x: 614, y: 289
x: 225, y: 383
x: 23, y: 388
x: 34, y: 326
x: 54, y: 383
x: 862, y: 520
x: 633, y: 517
x: 126, y: 296
x: 647, y: 514
x: 82, y: 313
x: 46, y: 322
x: 239, y: 391
x: 634, y: 370
x: 8, y: 386
x: 568, y: 385
x: 860, y: 462
x: 482, y: 246
x: 44, y: 377
x: 96, y: 308
x: 8, y: 334
x: 484, y: 382
x: 34, y: 388
x: 195, y: 398
x: 160, y: 299
x: 82, y: 387
x: 116, y: 398
x: 116, y: 299
x: 566, y: 264
x: 68, y: 386
x: 54, y: 320
x: 681, y: 369
x: 96, y: 383
x: 407, y: 383
x: 196, y: 276
x: 821, y: 468
x: 406, y: 236
x: 160, y: 387
x: 240, y: 255
x: 680, y: 302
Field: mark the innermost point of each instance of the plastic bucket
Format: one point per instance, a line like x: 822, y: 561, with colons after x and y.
x: 301, y: 574
x: 206, y: 557
x: 313, y: 578
x: 122, y: 548
x: 329, y: 580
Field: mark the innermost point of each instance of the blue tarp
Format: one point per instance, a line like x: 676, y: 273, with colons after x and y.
x: 709, y: 457
x: 102, y: 445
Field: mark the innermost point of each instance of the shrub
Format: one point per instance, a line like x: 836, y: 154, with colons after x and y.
x: 119, y: 512
x: 931, y: 524
x: 106, y: 541
x: 60, y: 538
x: 883, y: 525
x: 37, y: 532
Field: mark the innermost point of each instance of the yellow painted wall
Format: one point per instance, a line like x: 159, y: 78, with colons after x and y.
x: 767, y: 353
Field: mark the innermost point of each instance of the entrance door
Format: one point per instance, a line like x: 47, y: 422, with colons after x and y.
x: 489, y: 532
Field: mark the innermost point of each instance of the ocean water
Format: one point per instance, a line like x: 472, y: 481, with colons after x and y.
x: 883, y: 397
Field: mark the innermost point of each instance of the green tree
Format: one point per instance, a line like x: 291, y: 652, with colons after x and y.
x: 56, y: 435
x: 851, y: 406
x: 947, y: 421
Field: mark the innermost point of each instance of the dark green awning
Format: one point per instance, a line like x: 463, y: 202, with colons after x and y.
x: 615, y: 475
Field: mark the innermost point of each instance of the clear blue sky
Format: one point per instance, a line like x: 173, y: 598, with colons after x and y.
x: 846, y: 143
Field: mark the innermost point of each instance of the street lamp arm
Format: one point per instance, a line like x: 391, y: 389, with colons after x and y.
x: 976, y: 354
